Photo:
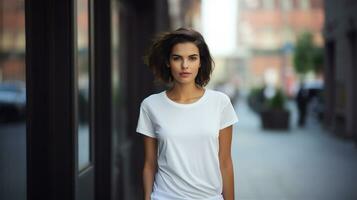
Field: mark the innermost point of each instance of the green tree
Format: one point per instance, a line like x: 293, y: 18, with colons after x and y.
x: 307, y: 56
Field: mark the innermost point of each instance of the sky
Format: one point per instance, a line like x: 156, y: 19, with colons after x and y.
x: 219, y: 25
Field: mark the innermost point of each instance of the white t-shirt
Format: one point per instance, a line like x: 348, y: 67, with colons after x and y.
x: 187, y: 134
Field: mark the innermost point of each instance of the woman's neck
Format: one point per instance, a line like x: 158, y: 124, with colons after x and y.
x: 185, y: 93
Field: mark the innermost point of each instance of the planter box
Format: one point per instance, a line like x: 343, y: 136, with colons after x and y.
x: 275, y: 119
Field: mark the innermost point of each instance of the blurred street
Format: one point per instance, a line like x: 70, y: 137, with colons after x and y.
x: 70, y: 93
x: 302, y: 164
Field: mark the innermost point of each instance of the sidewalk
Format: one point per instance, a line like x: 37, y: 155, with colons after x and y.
x: 301, y: 164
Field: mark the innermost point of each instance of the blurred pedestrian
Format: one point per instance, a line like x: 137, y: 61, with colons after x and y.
x: 302, y: 98
x: 187, y: 129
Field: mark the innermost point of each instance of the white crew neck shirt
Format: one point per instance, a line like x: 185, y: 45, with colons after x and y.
x: 187, y: 134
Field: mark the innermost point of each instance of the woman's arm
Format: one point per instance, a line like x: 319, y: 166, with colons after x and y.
x: 226, y: 164
x: 150, y: 165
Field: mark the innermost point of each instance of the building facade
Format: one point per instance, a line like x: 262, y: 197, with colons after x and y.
x: 340, y: 32
x: 268, y: 30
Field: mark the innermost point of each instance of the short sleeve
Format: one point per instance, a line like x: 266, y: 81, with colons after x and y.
x: 228, y: 114
x: 144, y: 125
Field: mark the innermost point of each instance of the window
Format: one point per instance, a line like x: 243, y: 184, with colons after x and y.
x: 12, y: 100
x: 286, y: 5
x: 83, y: 84
x: 251, y: 4
x: 304, y: 4
x: 268, y: 4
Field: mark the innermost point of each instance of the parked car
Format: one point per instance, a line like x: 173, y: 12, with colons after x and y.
x: 12, y: 101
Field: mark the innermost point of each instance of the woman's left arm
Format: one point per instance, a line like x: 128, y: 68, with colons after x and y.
x: 225, y: 161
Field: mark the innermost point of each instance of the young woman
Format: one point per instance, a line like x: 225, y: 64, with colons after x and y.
x: 188, y: 128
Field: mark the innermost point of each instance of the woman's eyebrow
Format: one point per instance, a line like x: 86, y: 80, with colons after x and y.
x: 181, y: 56
x: 175, y: 55
x: 193, y: 55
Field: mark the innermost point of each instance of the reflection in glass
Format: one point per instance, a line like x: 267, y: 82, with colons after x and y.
x: 116, y: 111
x: 115, y: 65
x: 12, y: 100
x: 83, y: 84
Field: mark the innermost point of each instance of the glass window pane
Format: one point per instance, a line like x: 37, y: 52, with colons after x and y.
x: 12, y: 100
x: 115, y: 71
x: 286, y: 5
x: 251, y: 4
x: 304, y: 4
x: 268, y: 4
x: 83, y: 84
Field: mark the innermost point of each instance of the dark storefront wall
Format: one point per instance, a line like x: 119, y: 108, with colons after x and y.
x: 59, y: 100
x: 330, y: 81
x: 138, y: 21
x: 82, y: 103
x: 340, y: 36
x: 86, y: 79
x: 354, y: 74
x: 352, y: 40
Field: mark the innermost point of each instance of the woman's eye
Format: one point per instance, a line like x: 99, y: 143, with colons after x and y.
x: 175, y: 58
x: 193, y: 58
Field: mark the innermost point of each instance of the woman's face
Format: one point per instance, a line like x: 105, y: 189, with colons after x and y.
x: 184, y: 62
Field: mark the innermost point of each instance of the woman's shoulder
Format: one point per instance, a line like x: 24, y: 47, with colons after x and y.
x: 152, y: 99
x: 219, y: 98
x: 218, y: 94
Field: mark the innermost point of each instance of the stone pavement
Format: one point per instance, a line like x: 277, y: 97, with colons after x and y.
x: 300, y: 164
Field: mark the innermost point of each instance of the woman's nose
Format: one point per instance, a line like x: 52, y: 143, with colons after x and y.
x: 185, y: 63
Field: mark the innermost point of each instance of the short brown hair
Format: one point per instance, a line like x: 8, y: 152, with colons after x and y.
x: 159, y: 54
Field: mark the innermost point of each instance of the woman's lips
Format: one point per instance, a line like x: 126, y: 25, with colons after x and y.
x: 185, y: 74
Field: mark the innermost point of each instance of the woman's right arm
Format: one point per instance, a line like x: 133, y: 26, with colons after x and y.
x: 150, y: 165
